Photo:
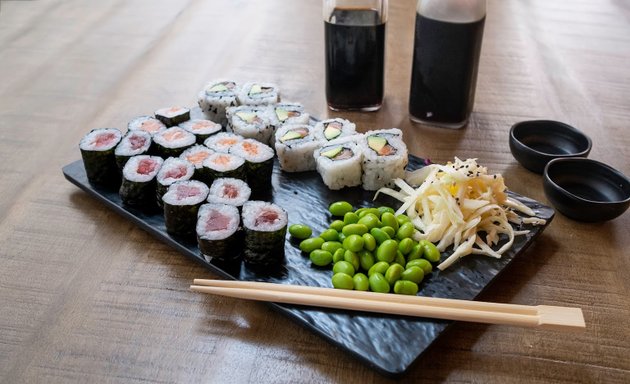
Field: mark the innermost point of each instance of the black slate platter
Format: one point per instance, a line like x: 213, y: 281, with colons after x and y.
x: 399, y: 340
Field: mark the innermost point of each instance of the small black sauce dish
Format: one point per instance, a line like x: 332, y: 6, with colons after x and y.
x: 534, y: 143
x: 586, y: 190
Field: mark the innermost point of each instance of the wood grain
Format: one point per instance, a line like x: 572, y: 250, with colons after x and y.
x: 87, y: 297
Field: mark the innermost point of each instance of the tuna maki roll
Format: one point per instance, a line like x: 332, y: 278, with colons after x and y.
x: 216, y: 97
x: 172, y: 116
x: 259, y: 94
x: 250, y: 122
x: 202, y: 129
x: 258, y: 163
x: 97, y: 150
x: 172, y: 142
x: 295, y: 145
x: 222, y: 142
x: 138, y: 182
x: 332, y: 129
x: 385, y: 157
x: 173, y: 169
x: 229, y: 191
x: 196, y: 155
x: 339, y: 163
x: 265, y: 226
x: 288, y: 113
x: 134, y: 143
x: 217, y: 231
x: 181, y: 204
x: 146, y: 123
x: 222, y: 165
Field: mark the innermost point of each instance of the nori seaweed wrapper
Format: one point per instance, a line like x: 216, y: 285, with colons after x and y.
x: 264, y: 248
x: 165, y: 152
x: 100, y: 167
x: 208, y: 175
x: 173, y: 120
x: 228, y: 249
x: 138, y: 192
x: 181, y: 219
x: 259, y: 175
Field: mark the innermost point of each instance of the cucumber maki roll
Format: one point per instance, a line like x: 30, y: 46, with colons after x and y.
x: 138, y: 182
x: 217, y: 231
x: 331, y: 129
x: 222, y: 142
x: 339, y: 163
x: 216, y: 96
x: 258, y: 163
x: 132, y: 144
x: 288, y: 113
x: 251, y: 122
x: 146, y: 123
x: 202, y: 129
x: 181, y: 204
x: 172, y: 116
x: 258, y: 94
x: 172, y: 142
x: 385, y: 157
x: 196, y: 155
x: 229, y: 191
x: 97, y: 150
x: 265, y: 226
x: 295, y: 145
x: 222, y: 165
x: 173, y: 169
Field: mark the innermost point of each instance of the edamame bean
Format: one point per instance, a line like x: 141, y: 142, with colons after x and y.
x: 343, y: 267
x: 379, y: 235
x: 311, y: 244
x: 331, y: 246
x: 340, y: 208
x: 330, y: 235
x: 300, y: 231
x: 368, y: 210
x: 405, y: 287
x: 378, y: 283
x: 405, y: 245
x: 342, y: 281
x: 320, y: 257
x: 353, y: 243
x: 337, y: 225
x: 393, y: 273
x: 338, y: 255
x: 352, y: 258
x: 405, y: 230
x: 384, y: 209
x: 413, y: 273
x: 342, y: 237
x: 380, y: 267
x: 354, y: 229
x: 416, y: 252
x: 389, y: 230
x: 430, y: 251
x: 350, y: 218
x: 388, y: 219
x: 370, y: 221
x: 422, y: 263
x: 400, y: 259
x: 402, y: 219
x: 387, y: 251
x: 361, y: 282
x: 366, y: 259
x: 369, y: 242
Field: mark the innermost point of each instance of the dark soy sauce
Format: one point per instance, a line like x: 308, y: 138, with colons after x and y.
x: 355, y: 59
x: 444, y: 74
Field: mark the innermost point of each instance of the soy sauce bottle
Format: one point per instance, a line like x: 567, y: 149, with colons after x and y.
x: 447, y: 44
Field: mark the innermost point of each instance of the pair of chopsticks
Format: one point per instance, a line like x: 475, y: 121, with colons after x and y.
x: 543, y: 316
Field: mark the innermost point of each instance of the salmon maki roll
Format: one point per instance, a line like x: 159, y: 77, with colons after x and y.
x: 98, y: 153
x: 223, y: 141
x: 148, y: 124
x: 202, y: 129
x: 196, y: 155
x: 223, y: 165
x: 172, y: 142
x: 258, y: 163
x: 172, y: 116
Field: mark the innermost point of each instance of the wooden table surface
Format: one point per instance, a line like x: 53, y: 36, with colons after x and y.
x: 87, y: 296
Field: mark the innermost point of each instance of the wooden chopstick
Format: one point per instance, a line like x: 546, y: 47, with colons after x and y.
x: 544, y: 316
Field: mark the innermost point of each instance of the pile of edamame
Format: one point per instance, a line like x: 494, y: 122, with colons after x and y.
x: 372, y: 241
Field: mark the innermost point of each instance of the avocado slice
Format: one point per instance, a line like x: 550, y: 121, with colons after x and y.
x: 331, y: 132
x: 376, y: 143
x: 247, y: 116
x: 282, y: 114
x: 291, y: 135
x: 255, y: 89
x: 331, y: 153
x: 218, y: 88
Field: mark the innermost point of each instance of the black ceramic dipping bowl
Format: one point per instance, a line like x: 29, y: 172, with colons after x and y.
x: 586, y: 190
x: 534, y: 143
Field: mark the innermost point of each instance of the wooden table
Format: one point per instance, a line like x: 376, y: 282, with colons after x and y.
x: 88, y: 297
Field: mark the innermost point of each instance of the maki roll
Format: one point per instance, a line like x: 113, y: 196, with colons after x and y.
x: 173, y: 169
x: 195, y: 155
x: 258, y: 163
x: 138, y: 181
x: 181, y: 204
x: 134, y: 143
x: 97, y: 150
x: 217, y: 231
x: 172, y: 142
x: 339, y: 163
x: 146, y: 123
x: 172, y: 116
x: 222, y: 142
x: 385, y: 157
x: 250, y: 122
x: 216, y: 97
x: 229, y: 191
x: 295, y: 145
x: 258, y: 94
x: 222, y: 165
x: 265, y: 226
x: 288, y: 113
x: 202, y: 129
x: 331, y: 129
